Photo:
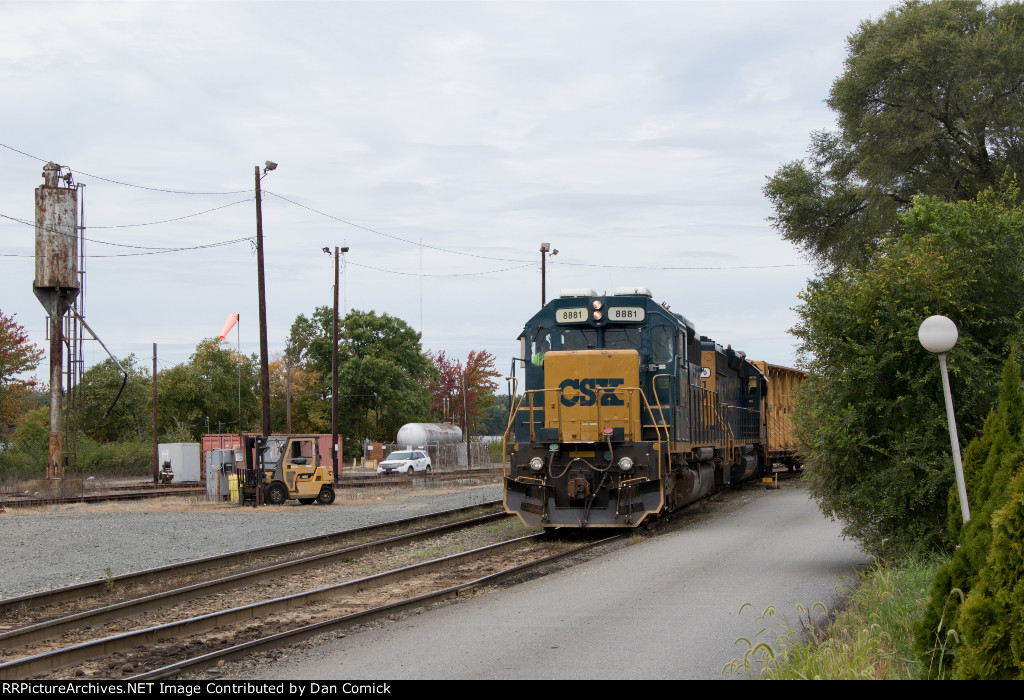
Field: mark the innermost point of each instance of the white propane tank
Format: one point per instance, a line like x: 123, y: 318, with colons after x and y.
x: 423, y: 434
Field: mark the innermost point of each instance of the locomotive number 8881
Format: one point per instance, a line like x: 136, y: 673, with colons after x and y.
x: 626, y: 412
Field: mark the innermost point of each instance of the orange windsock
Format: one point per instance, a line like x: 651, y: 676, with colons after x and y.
x: 229, y: 324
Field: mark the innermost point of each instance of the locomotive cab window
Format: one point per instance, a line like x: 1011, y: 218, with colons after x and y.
x: 622, y: 338
x: 541, y: 345
x: 661, y: 344
x: 579, y: 338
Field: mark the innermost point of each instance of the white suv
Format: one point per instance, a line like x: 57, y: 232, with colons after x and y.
x: 405, y: 462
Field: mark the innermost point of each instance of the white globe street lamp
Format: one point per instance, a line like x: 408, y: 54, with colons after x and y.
x: 938, y: 334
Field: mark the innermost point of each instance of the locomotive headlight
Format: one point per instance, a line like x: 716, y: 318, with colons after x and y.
x: 597, y: 315
x: 596, y: 304
x: 536, y: 464
x: 625, y: 464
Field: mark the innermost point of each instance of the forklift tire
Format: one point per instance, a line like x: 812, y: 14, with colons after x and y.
x: 326, y: 496
x: 276, y: 494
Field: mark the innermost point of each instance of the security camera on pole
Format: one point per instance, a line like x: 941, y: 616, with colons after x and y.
x: 938, y: 334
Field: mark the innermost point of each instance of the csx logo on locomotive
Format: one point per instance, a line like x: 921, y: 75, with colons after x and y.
x: 588, y: 390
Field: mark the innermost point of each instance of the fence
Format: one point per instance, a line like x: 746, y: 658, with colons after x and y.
x: 453, y: 455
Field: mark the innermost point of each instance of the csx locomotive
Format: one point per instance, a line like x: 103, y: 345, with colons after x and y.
x: 627, y: 412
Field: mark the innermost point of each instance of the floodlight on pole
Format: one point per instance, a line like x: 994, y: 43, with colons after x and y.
x: 939, y: 334
x: 334, y: 366
x: 545, y: 250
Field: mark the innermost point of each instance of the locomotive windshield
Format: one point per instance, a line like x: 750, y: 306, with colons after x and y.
x: 579, y: 338
x: 622, y: 338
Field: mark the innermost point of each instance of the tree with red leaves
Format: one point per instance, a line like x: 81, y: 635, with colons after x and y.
x: 17, y: 356
x: 476, y: 375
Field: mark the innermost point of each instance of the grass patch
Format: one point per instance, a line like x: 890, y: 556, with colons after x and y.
x: 870, y: 638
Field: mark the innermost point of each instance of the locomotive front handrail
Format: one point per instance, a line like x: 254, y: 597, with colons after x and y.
x: 529, y: 398
x: 661, y: 411
x: 511, y: 419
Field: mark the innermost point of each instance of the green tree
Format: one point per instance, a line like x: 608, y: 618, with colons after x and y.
x: 871, y: 415
x: 931, y: 102
x: 495, y: 417
x: 216, y: 384
x: 18, y: 355
x: 990, y: 463
x: 310, y: 406
x: 130, y: 418
x: 992, y: 619
x: 382, y: 371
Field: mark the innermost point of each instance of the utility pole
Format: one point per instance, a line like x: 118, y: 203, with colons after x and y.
x: 465, y: 421
x: 288, y: 394
x: 156, y: 437
x: 544, y: 249
x: 334, y: 366
x: 264, y: 365
x: 334, y: 374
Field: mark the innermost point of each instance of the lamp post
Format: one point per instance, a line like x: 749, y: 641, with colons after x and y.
x: 264, y: 364
x: 938, y: 334
x: 334, y: 365
x: 545, y: 248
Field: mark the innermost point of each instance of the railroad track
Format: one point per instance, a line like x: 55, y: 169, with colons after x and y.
x: 434, y: 477
x: 117, y: 493
x: 143, y: 626
x: 145, y: 491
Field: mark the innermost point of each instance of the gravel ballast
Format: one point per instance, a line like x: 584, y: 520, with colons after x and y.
x: 60, y: 545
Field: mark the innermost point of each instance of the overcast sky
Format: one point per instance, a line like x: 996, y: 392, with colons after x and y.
x: 443, y: 142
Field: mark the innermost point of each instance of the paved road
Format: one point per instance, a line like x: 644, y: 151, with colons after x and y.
x: 665, y: 608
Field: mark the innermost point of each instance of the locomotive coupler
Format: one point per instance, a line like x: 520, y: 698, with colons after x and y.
x: 578, y: 487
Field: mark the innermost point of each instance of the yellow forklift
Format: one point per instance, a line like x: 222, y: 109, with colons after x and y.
x: 290, y: 468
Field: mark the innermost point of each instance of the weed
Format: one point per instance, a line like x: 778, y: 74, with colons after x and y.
x: 871, y: 637
x: 942, y: 653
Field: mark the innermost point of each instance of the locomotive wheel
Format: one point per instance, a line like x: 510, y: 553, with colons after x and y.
x: 326, y: 496
x: 276, y: 494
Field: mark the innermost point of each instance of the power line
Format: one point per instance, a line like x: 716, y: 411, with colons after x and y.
x: 219, y: 244
x: 391, y: 236
x: 154, y: 249
x: 522, y: 263
x: 651, y: 267
x: 118, y: 182
x: 525, y: 262
x: 178, y: 218
x: 146, y: 223
x: 454, y: 274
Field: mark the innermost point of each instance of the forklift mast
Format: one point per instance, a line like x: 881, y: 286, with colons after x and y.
x: 252, y: 478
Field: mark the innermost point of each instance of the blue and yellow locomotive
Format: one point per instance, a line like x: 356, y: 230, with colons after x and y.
x: 626, y: 412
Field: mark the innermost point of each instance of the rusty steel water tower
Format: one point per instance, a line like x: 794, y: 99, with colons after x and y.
x: 56, y: 284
